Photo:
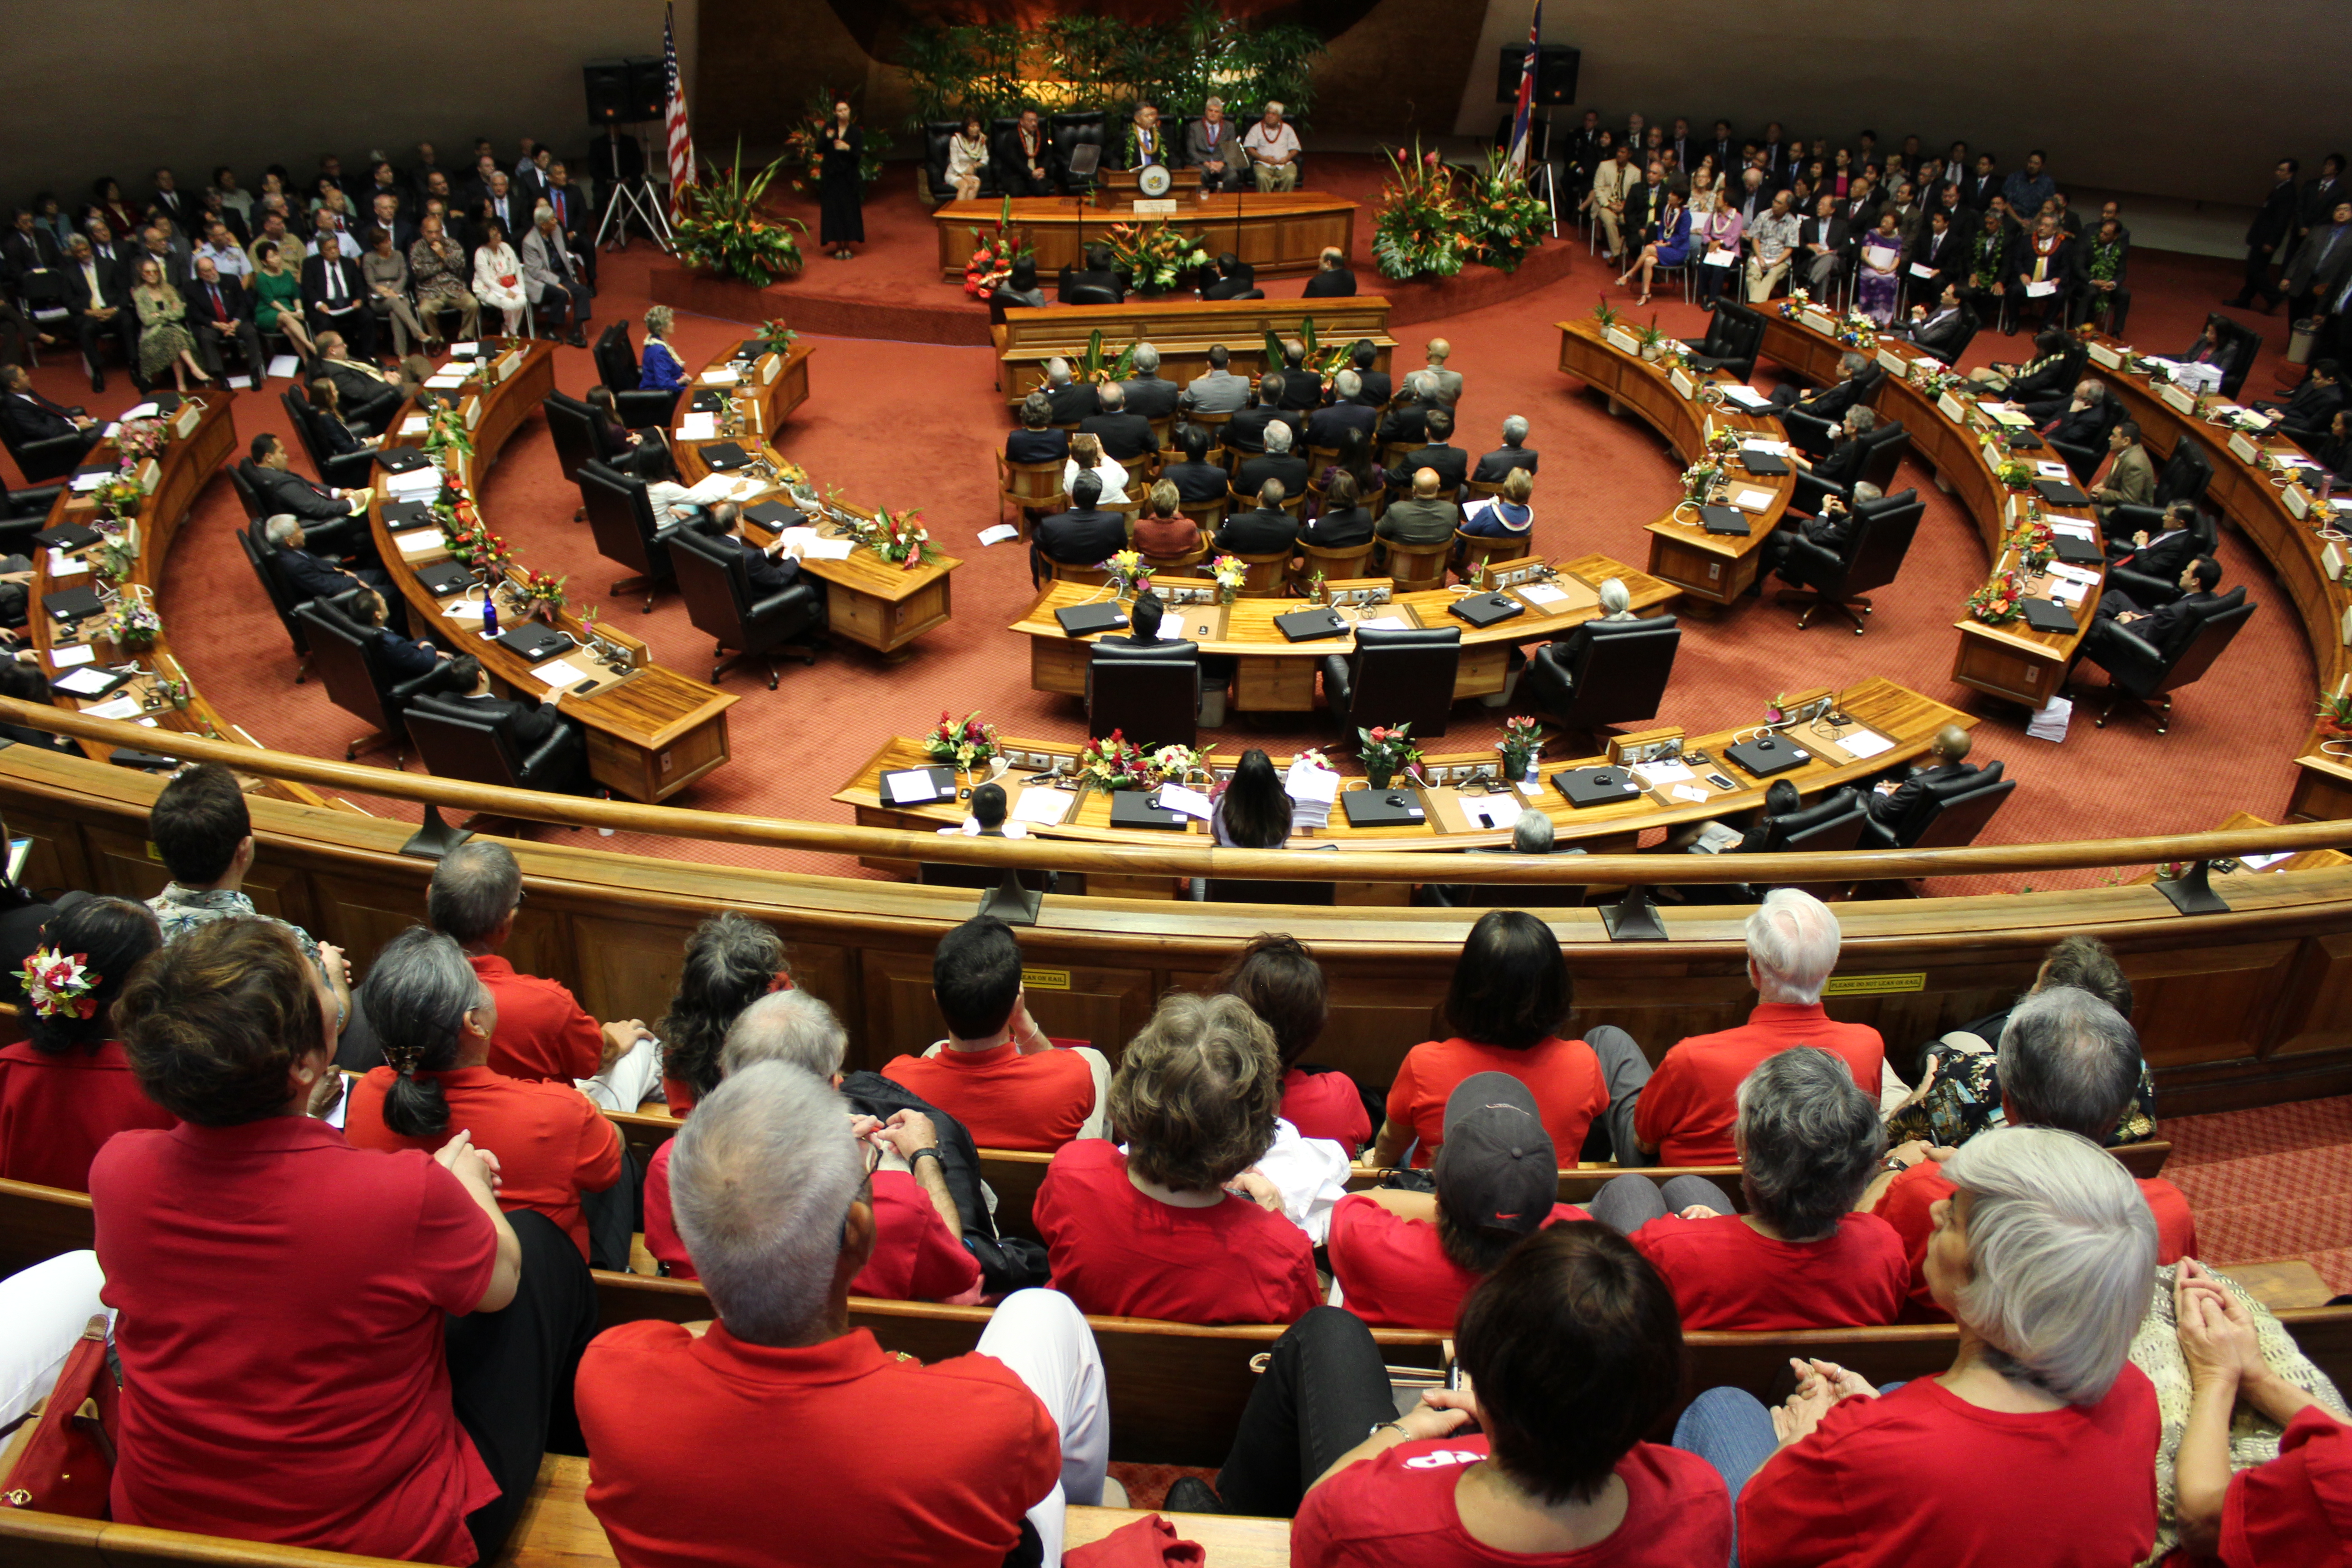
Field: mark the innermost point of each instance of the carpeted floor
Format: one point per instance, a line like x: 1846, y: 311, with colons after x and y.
x: 2275, y: 1183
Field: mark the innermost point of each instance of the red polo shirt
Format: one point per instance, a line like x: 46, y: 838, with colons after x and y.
x: 713, y: 1453
x: 56, y: 1112
x: 1725, y: 1274
x: 1563, y: 1074
x: 1115, y: 1250
x: 915, y: 1257
x: 2296, y: 1510
x: 282, y: 1296
x: 1396, y: 1510
x: 1006, y: 1101
x: 552, y: 1141
x: 1922, y: 1476
x: 542, y: 1032
x: 1394, y: 1272
x: 1326, y: 1105
x: 1905, y: 1203
x: 1686, y: 1109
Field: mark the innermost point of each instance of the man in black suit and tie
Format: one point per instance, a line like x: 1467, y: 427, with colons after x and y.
x: 1943, y: 329
x: 219, y: 312
x: 32, y: 417
x: 1408, y: 420
x: 1512, y: 453
x: 1071, y: 401
x: 1036, y: 441
x: 2273, y: 227
x: 1301, y: 388
x: 772, y: 568
x: 1085, y: 535
x: 110, y: 250
x: 1824, y: 238
x: 1097, y: 273
x: 309, y: 576
x: 1196, y: 479
x: 1332, y: 279
x: 1264, y: 531
x: 1830, y: 531
x: 502, y: 202
x: 2198, y: 579
x: 1377, y: 389
x: 1450, y: 463
x: 1143, y: 620
x: 98, y: 307
x: 2084, y: 421
x: 1940, y: 246
x: 1978, y: 187
x: 1245, y: 431
x: 1232, y: 279
x: 171, y: 202
x: 1683, y: 146
x: 26, y: 246
x: 574, y: 219
x: 1276, y: 462
x: 2162, y: 556
x: 1893, y: 804
x: 268, y: 470
x: 1346, y: 411
x: 1148, y: 395
x: 368, y: 398
x: 334, y: 296
x: 1024, y: 159
x: 2311, y: 407
x: 530, y: 723
x: 1126, y: 437
x: 1726, y: 150
x: 386, y: 215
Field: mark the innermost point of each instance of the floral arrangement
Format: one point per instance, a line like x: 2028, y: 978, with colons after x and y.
x: 2335, y: 715
x: 113, y: 557
x: 1500, y: 219
x: 1858, y: 332
x: 58, y: 985
x: 134, y: 623
x: 1314, y: 758
x: 1155, y: 257
x: 1605, y: 314
x: 1723, y: 442
x: 984, y: 273
x: 965, y: 744
x: 1798, y: 300
x: 1998, y: 602
x: 804, y: 142
x: 902, y: 539
x: 542, y: 588
x: 724, y: 230
x: 1652, y: 339
x: 1417, y: 230
x: 467, y: 540
x: 2014, y: 472
x: 1386, y: 749
x: 444, y: 432
x: 1004, y: 244
x: 171, y: 693
x: 118, y: 495
x: 1229, y: 571
x: 1094, y: 366
x: 1522, y: 738
x: 2035, y: 543
x: 1700, y: 478
x: 1174, y: 764
x: 138, y: 439
x: 1933, y: 377
x: 1115, y: 763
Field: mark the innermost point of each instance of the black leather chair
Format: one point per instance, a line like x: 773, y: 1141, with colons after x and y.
x: 240, y: 480
x: 1832, y: 823
x: 1809, y: 433
x: 1151, y: 695
x: 1068, y: 132
x: 622, y: 518
x: 640, y: 407
x: 352, y: 668
x: 346, y: 538
x: 1882, y: 451
x: 1394, y: 677
x: 2239, y: 343
x: 1087, y: 294
x: 456, y: 743
x: 1841, y: 580
x: 1604, y: 673
x: 52, y: 457
x: 1978, y: 795
x: 348, y: 471
x: 274, y: 587
x: 2148, y: 592
x: 23, y: 514
x: 937, y: 134
x: 2185, y: 475
x: 2142, y: 672
x: 2083, y: 460
x: 572, y: 425
x: 1734, y: 335
x: 720, y: 603
x: 1969, y: 330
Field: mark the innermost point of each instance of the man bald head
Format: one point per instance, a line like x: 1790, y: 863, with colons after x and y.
x: 1424, y: 484
x: 1950, y: 744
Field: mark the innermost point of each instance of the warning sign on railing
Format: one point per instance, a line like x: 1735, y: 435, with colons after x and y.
x: 1875, y: 984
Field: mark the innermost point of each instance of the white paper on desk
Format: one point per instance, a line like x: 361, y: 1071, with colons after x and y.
x: 2042, y: 289
x: 445, y: 378
x: 722, y: 376
x: 2263, y: 862
x: 913, y: 786
x: 828, y: 549
x: 1745, y: 395
x: 2051, y: 470
x: 1491, y: 810
x: 419, y: 542
x: 1864, y: 743
x: 1659, y: 774
x: 702, y: 426
x: 1307, y: 782
x: 1540, y: 593
x: 72, y: 654
x: 1769, y: 448
x: 414, y: 425
x: 2073, y: 529
x: 1384, y: 624
x: 1689, y: 792
x: 423, y: 481
x: 998, y: 535
x: 1190, y: 801
x: 464, y: 610
x: 799, y: 533
x: 712, y: 488
x: 1043, y: 805
x: 2066, y: 573
x: 2067, y: 593
x: 142, y: 410
x: 85, y: 682
x: 120, y: 708
x: 64, y: 565
x: 1921, y: 269
x: 1752, y: 499
x: 558, y: 672
x: 89, y: 481
x: 1718, y: 259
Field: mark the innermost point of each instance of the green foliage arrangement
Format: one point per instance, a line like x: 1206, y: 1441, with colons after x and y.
x: 1502, y: 219
x: 1417, y: 230
x: 1155, y: 257
x: 725, y: 231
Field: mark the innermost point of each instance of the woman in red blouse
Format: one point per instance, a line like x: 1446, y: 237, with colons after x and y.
x: 285, y: 1297
x: 1284, y: 985
x: 67, y: 1089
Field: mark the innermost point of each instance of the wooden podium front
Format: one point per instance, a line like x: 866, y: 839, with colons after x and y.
x: 1278, y: 233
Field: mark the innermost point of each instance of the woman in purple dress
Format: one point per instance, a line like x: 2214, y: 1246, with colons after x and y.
x: 1879, y: 271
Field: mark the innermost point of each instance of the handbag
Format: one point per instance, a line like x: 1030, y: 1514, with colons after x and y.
x: 68, y: 1465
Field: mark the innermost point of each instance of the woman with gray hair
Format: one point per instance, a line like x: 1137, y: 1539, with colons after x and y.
x: 660, y: 368
x: 1616, y: 600
x: 1809, y: 1142
x: 2040, y: 1438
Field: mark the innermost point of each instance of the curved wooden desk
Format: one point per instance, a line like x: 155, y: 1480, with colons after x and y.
x: 650, y: 731
x: 1278, y: 233
x: 1712, y: 568
x: 868, y: 600
x: 1182, y: 330
x: 1276, y: 675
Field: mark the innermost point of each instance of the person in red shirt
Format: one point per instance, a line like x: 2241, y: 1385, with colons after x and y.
x: 1800, y: 1257
x: 322, y: 1346
x: 1682, y: 1113
x: 2042, y: 1437
x: 68, y: 1087
x: 778, y: 1432
x: 1284, y: 985
x: 1405, y: 1260
x: 2294, y: 1511
x: 2068, y: 1060
x: 1170, y: 1229
x: 919, y: 1249
x: 1510, y: 991
x: 731, y: 961
x: 435, y: 1020
x: 542, y: 1033
x: 1573, y: 1320
x: 996, y: 1073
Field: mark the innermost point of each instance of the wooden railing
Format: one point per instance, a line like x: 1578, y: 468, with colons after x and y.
x: 731, y: 828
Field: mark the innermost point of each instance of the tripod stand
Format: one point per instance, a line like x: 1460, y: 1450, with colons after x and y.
x: 636, y: 194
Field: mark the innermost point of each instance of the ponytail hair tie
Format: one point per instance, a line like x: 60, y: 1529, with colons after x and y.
x: 403, y: 1059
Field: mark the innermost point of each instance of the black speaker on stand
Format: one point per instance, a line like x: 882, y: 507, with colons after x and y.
x: 629, y: 91
x: 1556, y: 67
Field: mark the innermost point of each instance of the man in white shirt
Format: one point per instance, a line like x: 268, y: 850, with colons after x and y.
x: 1271, y: 148
x: 1773, y: 237
x: 221, y: 249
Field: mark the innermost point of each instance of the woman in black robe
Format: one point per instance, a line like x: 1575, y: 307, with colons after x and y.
x: 840, y: 189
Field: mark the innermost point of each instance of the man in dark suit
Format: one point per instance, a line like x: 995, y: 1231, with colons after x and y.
x: 1302, y: 388
x: 309, y: 576
x: 1245, y: 431
x: 1125, y: 437
x: 1408, y: 420
x: 1345, y: 412
x: 1148, y: 395
x: 269, y: 471
x: 2273, y: 226
x: 1232, y: 279
x: 772, y: 568
x: 1085, y: 535
x: 1512, y: 453
x: 1036, y: 441
x: 1143, y: 620
x: 385, y: 215
x: 1961, y: 218
x: 1024, y: 159
x: 508, y: 205
x: 335, y: 298
x: 30, y: 417
x: 1842, y: 465
x: 1332, y: 279
x: 2161, y: 555
x: 530, y: 724
x: 573, y: 218
x: 1276, y: 462
x: 2311, y: 407
x: 1978, y: 186
x: 1940, y: 330
x: 409, y: 658
x: 1941, y: 247
x: 1450, y: 463
x: 1824, y: 238
x: 1070, y: 401
x: 1893, y: 804
x: 2084, y: 421
x: 1832, y: 531
x: 1196, y: 481
x: 1425, y: 517
x: 1644, y: 203
x: 2198, y: 579
x: 2319, y: 195
x: 26, y: 246
x: 220, y: 311
x: 98, y: 307
x: 368, y: 398
x: 1377, y: 387
x: 1097, y: 273
x: 1264, y: 531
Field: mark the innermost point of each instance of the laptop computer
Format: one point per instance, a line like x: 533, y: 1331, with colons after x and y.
x: 401, y: 459
x: 1596, y: 786
x: 2058, y: 492
x: 1306, y: 625
x: 1137, y: 808
x: 1723, y: 519
x: 533, y: 643
x: 724, y: 456
x: 2043, y: 615
x: 903, y: 786
x: 1381, y: 808
x: 67, y: 536
x: 70, y: 604
x: 1762, y: 464
x: 776, y: 516
x: 1767, y: 755
x: 1485, y: 609
x: 400, y: 516
x: 2077, y: 552
x: 1083, y: 620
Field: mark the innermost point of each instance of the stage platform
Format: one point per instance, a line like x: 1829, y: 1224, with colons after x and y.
x: 1279, y: 233
x: 893, y: 290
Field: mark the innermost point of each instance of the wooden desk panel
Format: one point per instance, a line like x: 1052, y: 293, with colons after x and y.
x: 1182, y: 329
x: 1278, y: 233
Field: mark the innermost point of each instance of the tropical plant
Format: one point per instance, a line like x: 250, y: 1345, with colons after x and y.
x: 1700, y: 478
x: 804, y: 143
x: 1093, y: 367
x: 1003, y: 242
x: 955, y: 71
x: 724, y: 229
x: 1417, y: 229
x: 1114, y: 762
x: 1155, y: 257
x: 1502, y: 219
x: 2335, y: 714
x: 964, y: 743
x: 1605, y: 313
x: 1386, y: 751
x: 1522, y: 739
x: 1998, y: 602
x: 1651, y: 338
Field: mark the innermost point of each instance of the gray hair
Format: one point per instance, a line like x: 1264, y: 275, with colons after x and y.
x: 1273, y: 105
x: 1514, y: 430
x: 542, y: 212
x: 1037, y: 409
x: 473, y: 889
x: 1531, y: 834
x: 2092, y: 392
x: 1851, y: 364
x: 1809, y: 1141
x: 1109, y: 397
x: 1277, y: 436
x: 1421, y: 383
x: 764, y: 1172
x: 789, y: 1026
x: 1347, y: 384
x: 2062, y: 1257
x: 659, y: 319
x: 1214, y: 103
x: 1058, y: 371
x: 1616, y: 599
x: 2069, y: 1060
x: 1792, y: 940
x: 1865, y: 492
x: 1147, y: 358
x: 280, y: 530
x: 1861, y: 421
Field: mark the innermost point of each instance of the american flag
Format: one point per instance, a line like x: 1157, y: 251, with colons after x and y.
x: 681, y: 140
x: 1523, y: 118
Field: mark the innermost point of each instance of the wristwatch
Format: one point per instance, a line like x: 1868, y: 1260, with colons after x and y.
x: 933, y: 1151
x: 1896, y: 1165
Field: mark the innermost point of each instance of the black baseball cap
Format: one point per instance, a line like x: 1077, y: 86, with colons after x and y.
x: 1496, y: 1170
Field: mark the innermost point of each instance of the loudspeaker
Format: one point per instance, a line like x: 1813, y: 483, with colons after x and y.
x: 624, y: 92
x: 1556, y: 67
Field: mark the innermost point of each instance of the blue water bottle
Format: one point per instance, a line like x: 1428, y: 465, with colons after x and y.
x: 489, y: 612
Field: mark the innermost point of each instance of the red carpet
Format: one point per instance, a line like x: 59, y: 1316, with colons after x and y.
x: 2275, y: 1183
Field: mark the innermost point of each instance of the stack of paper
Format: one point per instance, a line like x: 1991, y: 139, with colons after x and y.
x: 1311, y: 790
x: 1383, y: 622
x: 419, y: 542
x: 1751, y: 499
x: 1190, y: 801
x: 416, y: 484
x: 71, y: 654
x: 722, y: 376
x: 89, y: 480
x: 443, y: 380
x: 2074, y: 528
x: 1043, y: 805
x: 1490, y: 810
x: 2049, y: 723
x: 702, y: 426
x: 85, y: 682
x: 414, y: 425
x: 1745, y: 396
x: 1658, y: 775
x: 1540, y: 593
x: 913, y: 786
x: 120, y: 708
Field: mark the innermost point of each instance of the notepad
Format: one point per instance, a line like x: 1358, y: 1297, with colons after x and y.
x: 1190, y: 801
x: 828, y: 549
x: 699, y: 428
x: 72, y: 654
x: 1688, y: 791
x: 418, y: 544
x: 464, y: 610
x: 85, y: 682
x: 1751, y: 499
x: 2042, y: 289
x: 1043, y: 805
x: 997, y: 535
x: 558, y: 672
x: 1489, y: 810
x: 721, y: 376
x: 1540, y: 593
x: 1921, y: 269
x: 445, y: 379
x: 1864, y: 743
x: 914, y: 786
x: 120, y: 708
x: 414, y: 425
